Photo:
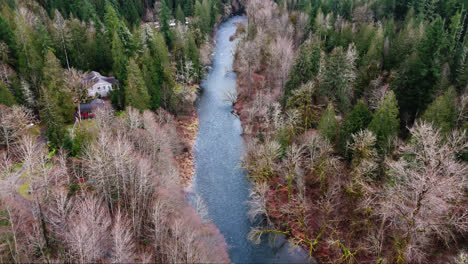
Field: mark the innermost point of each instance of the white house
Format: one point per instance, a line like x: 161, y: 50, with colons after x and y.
x: 98, y: 85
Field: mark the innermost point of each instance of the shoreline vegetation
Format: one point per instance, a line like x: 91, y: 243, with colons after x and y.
x: 342, y: 158
x: 109, y: 188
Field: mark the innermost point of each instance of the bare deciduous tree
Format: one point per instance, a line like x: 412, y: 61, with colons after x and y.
x: 429, y: 182
x: 88, y: 235
x: 122, y: 239
x: 14, y: 122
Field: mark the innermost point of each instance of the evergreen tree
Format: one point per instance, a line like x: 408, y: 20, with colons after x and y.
x: 414, y: 86
x: 136, y: 92
x: 338, y: 77
x: 188, y: 8
x: 54, y: 85
x: 358, y: 119
x: 30, y: 61
x: 165, y: 28
x: 385, y: 123
x: 305, y: 68
x: 328, y: 125
x: 156, y: 72
x: 203, y: 14
x: 49, y: 113
x: 111, y: 20
x: 180, y: 14
x: 442, y: 113
x: 55, y: 101
x: 119, y: 59
x: 7, y: 36
x: 6, y: 98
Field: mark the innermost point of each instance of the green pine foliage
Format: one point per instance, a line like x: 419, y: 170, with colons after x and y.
x: 337, y: 80
x: 328, y: 125
x: 55, y: 88
x: 6, y: 98
x: 165, y: 29
x: 136, y: 92
x: 358, y: 119
x: 305, y: 68
x: 416, y: 81
x: 442, y: 113
x: 385, y: 124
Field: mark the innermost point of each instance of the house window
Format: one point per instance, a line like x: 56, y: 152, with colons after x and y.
x: 99, y: 88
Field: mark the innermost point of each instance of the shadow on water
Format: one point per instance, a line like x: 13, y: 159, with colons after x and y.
x: 218, y: 150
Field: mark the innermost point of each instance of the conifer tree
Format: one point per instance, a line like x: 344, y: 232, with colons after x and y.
x: 328, y: 125
x: 164, y: 20
x: 111, y: 20
x: 119, y: 58
x: 30, y: 61
x: 55, y: 100
x: 55, y: 86
x: 339, y: 75
x: 442, y: 113
x: 136, y: 92
x: 180, y: 14
x: 358, y: 119
x: 385, y: 123
x: 305, y: 68
x: 6, y: 98
x: 414, y: 86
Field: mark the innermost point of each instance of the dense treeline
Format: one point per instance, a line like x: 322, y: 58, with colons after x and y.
x: 39, y: 40
x: 107, y: 189
x: 355, y: 113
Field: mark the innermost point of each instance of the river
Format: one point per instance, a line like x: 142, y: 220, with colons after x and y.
x: 218, y: 150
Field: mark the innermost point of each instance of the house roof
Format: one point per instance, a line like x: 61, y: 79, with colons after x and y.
x: 93, y: 77
x: 88, y: 108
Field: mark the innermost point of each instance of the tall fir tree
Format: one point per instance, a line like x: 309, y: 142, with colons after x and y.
x: 328, y: 125
x: 6, y: 98
x: 415, y: 83
x: 56, y: 101
x: 180, y: 14
x: 442, y: 113
x: 339, y: 74
x: 305, y: 68
x: 136, y: 92
x: 358, y: 119
x: 385, y: 124
x: 164, y: 20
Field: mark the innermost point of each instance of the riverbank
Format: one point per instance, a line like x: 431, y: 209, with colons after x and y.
x: 187, y: 128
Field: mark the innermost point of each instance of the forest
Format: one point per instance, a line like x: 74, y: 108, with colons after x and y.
x: 107, y: 189
x: 355, y: 114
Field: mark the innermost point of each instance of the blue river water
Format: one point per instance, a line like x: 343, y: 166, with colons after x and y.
x: 218, y: 150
